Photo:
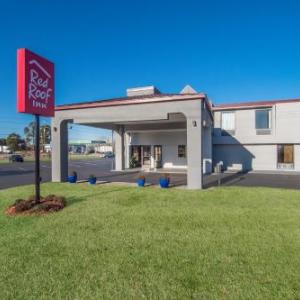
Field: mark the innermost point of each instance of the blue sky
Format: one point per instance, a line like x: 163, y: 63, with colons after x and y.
x: 232, y: 50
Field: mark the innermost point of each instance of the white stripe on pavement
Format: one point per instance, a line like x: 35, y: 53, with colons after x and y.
x: 44, y: 166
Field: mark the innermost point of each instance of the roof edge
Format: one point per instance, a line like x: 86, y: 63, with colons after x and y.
x: 253, y: 104
x: 130, y: 101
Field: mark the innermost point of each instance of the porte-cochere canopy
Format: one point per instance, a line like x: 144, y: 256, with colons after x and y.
x: 152, y: 119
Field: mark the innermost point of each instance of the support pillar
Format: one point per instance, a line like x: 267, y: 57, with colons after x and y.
x: 194, y: 152
x: 59, y: 144
x: 119, y: 148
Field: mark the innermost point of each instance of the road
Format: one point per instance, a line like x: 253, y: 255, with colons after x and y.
x: 15, y: 174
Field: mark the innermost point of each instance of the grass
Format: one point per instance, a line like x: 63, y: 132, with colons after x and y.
x: 116, y: 242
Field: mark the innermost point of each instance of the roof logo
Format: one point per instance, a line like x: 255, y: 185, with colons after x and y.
x: 41, y: 67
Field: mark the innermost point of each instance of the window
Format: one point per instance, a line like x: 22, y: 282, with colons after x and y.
x: 263, y: 120
x: 285, y: 154
x: 181, y: 151
x: 157, y: 152
x: 228, y: 122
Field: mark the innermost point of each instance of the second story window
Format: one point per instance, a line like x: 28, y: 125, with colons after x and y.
x: 228, y: 122
x: 263, y: 121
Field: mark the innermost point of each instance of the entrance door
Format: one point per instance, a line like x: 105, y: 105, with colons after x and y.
x: 135, y: 159
x: 157, y: 156
x: 146, y: 155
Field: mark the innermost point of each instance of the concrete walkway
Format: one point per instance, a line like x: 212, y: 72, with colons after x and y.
x: 281, y: 180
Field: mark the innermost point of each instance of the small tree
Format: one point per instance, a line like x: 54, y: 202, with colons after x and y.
x: 133, y: 162
x: 15, y: 142
x: 45, y: 134
x: 29, y: 132
x: 2, y: 142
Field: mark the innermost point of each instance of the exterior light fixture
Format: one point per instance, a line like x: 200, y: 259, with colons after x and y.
x: 194, y: 124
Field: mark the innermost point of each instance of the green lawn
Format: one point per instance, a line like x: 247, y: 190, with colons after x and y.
x: 116, y: 242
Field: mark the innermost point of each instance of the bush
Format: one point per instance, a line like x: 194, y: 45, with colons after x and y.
x: 165, y: 176
x: 133, y: 163
x: 141, y: 177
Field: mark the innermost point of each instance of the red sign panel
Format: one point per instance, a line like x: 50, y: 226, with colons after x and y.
x: 35, y: 84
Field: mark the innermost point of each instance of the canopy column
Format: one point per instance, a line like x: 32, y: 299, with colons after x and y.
x: 194, y: 152
x: 119, y: 148
x: 59, y: 144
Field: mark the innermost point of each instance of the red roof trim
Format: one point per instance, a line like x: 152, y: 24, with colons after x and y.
x: 131, y: 101
x: 252, y: 104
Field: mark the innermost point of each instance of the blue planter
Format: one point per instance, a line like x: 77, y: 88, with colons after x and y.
x: 141, y: 182
x: 164, y: 183
x: 72, y: 179
x: 92, y: 180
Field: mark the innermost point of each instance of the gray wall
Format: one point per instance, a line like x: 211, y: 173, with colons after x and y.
x: 245, y: 149
x: 169, y: 140
x: 285, y: 120
x: 207, y: 150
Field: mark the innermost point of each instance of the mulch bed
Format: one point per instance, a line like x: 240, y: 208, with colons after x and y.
x: 48, y: 204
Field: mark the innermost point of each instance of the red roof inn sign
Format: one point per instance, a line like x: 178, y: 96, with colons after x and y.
x: 35, y: 84
x: 35, y: 95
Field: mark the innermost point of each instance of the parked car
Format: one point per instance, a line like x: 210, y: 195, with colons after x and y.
x: 16, y: 158
x: 109, y: 155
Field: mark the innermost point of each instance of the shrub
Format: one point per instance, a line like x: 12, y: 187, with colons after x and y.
x: 165, y: 176
x: 141, y: 177
x: 133, y: 163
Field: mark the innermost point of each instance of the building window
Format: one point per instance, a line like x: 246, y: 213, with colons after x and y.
x: 181, y: 151
x: 285, y: 156
x: 228, y: 122
x: 263, y: 121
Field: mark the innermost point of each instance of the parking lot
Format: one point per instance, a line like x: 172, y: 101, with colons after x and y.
x: 15, y: 174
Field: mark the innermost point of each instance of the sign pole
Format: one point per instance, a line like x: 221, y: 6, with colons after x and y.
x: 37, y: 159
x: 35, y: 96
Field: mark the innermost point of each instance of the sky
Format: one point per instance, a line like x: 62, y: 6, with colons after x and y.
x: 234, y: 51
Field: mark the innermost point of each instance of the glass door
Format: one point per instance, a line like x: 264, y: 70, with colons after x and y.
x: 157, y: 156
x: 146, y: 155
x: 135, y: 157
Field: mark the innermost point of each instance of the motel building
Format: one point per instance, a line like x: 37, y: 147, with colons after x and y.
x: 185, y: 132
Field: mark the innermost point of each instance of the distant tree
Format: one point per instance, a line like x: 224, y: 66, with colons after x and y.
x: 2, y: 142
x: 29, y: 132
x: 15, y: 142
x: 45, y: 134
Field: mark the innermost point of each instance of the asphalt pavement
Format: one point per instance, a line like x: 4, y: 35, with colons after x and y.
x: 17, y: 174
